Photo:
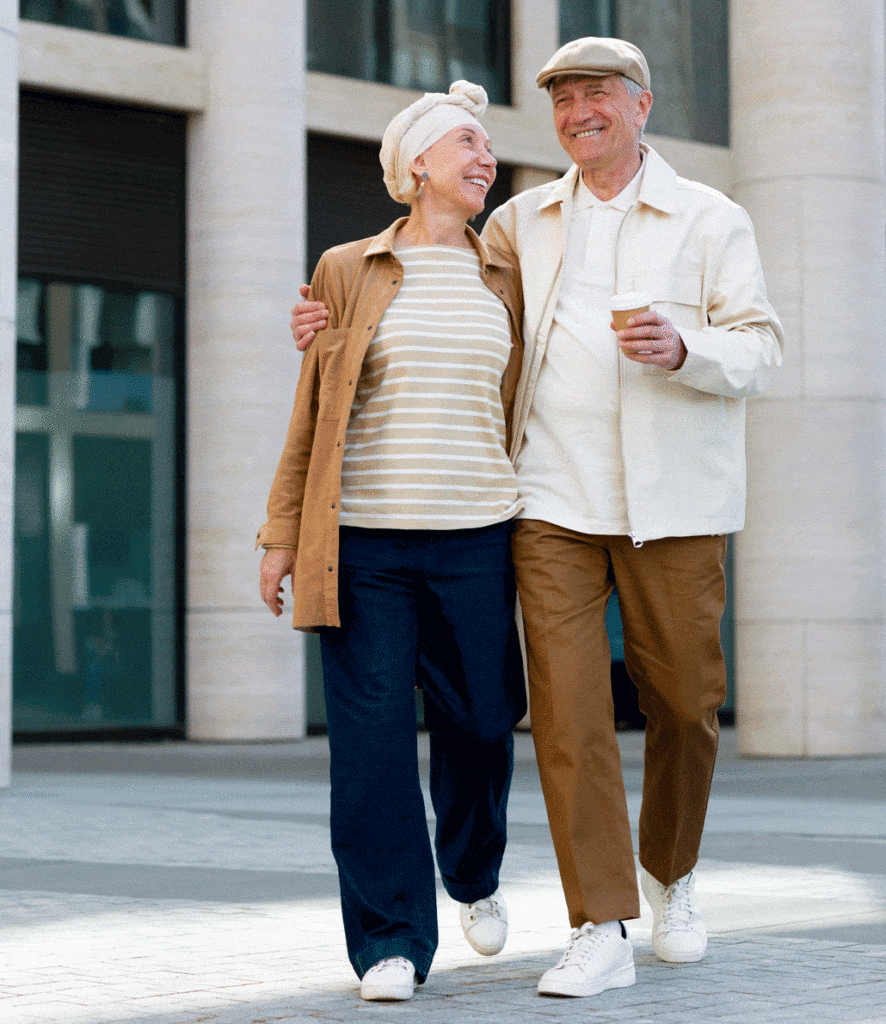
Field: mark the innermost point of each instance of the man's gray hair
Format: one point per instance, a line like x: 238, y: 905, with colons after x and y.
x: 633, y: 88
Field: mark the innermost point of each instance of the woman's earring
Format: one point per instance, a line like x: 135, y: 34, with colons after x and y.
x: 424, y: 178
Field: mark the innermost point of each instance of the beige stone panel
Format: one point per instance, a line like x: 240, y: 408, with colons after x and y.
x: 794, y: 112
x: 814, y: 545
x: 245, y: 677
x: 246, y: 259
x: 846, y: 688
x: 109, y: 67
x: 776, y: 210
x: 698, y: 161
x: 844, y: 261
x: 526, y: 178
x: 535, y: 37
x: 223, y: 562
x: 770, y: 671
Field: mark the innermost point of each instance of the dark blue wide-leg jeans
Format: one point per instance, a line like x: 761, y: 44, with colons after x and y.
x: 433, y: 608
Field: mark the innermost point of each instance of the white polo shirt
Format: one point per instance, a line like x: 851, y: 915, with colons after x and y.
x: 570, y: 470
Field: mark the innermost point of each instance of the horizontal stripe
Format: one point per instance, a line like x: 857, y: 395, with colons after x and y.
x: 429, y: 455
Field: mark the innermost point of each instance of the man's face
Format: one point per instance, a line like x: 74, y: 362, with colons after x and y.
x: 597, y: 122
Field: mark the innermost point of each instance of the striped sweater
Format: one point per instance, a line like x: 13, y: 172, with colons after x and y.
x: 425, y: 446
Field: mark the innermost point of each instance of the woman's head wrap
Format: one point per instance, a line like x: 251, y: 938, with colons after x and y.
x: 422, y: 124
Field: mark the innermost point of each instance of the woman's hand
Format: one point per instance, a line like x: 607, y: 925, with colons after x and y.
x: 276, y: 564
x: 307, y: 319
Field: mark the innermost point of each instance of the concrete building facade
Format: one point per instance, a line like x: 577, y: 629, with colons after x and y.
x: 802, y: 148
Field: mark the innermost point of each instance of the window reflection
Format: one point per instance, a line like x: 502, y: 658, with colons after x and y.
x: 95, y: 514
x: 102, y: 348
x: 417, y: 44
x: 156, y: 21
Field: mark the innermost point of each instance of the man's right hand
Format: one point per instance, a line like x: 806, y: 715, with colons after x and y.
x: 307, y: 319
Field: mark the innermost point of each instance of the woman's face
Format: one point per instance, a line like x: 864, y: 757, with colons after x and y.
x: 460, y: 170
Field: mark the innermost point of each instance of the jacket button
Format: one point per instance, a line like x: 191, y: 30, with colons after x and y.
x: 329, y: 569
x: 333, y: 504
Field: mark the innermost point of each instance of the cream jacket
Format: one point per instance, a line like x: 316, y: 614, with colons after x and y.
x: 682, y: 431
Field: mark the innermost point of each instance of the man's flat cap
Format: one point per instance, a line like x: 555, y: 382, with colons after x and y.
x: 596, y: 56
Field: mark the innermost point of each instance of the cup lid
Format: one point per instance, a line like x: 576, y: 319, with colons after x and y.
x: 630, y: 300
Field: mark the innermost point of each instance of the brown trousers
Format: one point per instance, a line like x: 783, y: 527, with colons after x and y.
x: 671, y: 593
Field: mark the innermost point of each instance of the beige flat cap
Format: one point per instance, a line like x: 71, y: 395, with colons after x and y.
x: 596, y: 56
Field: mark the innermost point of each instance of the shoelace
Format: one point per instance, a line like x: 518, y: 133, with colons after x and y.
x: 400, y: 961
x: 581, y: 945
x: 488, y: 906
x: 677, y: 911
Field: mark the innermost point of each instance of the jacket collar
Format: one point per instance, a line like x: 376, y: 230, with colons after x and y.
x: 383, y: 244
x: 658, y: 187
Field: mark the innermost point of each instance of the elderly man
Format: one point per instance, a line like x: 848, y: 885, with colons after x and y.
x: 629, y: 450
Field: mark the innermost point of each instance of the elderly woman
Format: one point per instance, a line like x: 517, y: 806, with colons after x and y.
x: 391, y: 510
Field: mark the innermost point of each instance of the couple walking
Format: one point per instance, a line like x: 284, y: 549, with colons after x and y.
x: 468, y: 424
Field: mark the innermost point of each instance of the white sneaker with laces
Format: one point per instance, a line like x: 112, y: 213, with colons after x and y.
x: 679, y: 935
x: 390, y: 979
x: 485, y: 923
x: 596, y: 958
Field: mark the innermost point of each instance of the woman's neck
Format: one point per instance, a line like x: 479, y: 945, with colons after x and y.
x: 427, y: 227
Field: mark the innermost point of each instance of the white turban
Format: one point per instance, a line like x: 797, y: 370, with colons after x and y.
x: 422, y: 124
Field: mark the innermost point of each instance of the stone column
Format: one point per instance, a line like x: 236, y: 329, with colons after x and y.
x: 245, y: 669
x: 8, y: 218
x: 808, y: 141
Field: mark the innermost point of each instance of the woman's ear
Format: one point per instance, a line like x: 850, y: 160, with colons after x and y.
x: 418, y: 167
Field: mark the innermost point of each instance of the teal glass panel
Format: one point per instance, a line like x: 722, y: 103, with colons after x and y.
x: 95, y: 618
x: 157, y: 21
x: 416, y: 44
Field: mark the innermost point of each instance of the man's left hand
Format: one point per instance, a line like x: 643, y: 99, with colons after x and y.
x: 652, y: 338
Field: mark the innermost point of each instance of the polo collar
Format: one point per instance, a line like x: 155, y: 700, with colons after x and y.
x: 658, y: 185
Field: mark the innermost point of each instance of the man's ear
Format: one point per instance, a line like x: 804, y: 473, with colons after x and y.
x: 645, y: 101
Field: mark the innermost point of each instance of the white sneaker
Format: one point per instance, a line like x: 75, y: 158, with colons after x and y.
x: 596, y: 958
x: 679, y: 935
x: 485, y: 923
x: 391, y: 979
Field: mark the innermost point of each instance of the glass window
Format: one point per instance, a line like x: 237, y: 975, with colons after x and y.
x: 95, y: 641
x: 686, y: 45
x: 417, y: 44
x: 158, y: 21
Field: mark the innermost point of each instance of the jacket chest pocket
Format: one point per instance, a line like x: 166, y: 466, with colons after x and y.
x: 677, y: 294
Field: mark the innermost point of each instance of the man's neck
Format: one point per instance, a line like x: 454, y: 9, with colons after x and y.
x: 607, y: 183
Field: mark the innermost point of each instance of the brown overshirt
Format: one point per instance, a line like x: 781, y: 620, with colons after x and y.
x: 357, y: 282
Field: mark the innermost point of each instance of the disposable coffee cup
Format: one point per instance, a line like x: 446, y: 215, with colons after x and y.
x: 626, y: 305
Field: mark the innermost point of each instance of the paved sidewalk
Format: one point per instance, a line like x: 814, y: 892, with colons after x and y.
x: 180, y: 883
